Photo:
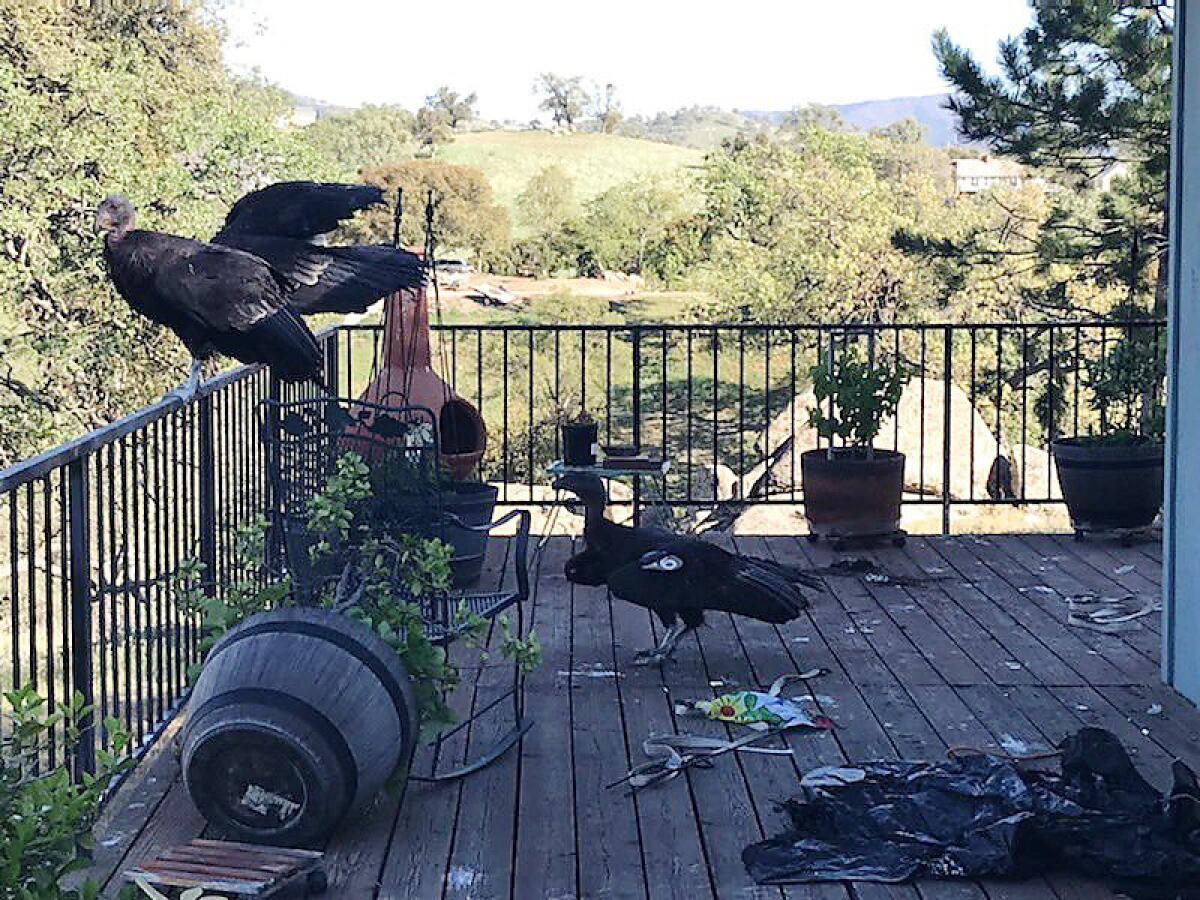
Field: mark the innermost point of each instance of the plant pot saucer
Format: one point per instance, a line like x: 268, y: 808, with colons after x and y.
x: 1127, y: 537
x: 846, y: 539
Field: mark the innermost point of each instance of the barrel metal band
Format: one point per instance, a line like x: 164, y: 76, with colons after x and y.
x: 1121, y: 464
x: 343, y: 642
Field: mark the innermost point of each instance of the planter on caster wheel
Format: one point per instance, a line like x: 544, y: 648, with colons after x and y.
x: 852, y: 493
x: 1110, y: 486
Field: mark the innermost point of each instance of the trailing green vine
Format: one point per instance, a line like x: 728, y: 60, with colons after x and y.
x: 382, y: 579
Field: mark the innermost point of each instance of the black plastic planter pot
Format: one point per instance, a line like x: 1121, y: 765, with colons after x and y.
x: 1109, y: 487
x: 579, y: 444
x: 473, y: 503
x: 852, y: 495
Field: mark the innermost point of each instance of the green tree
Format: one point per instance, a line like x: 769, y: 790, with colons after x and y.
x: 814, y: 115
x: 621, y: 224
x: 457, y: 108
x: 704, y: 127
x: 547, y: 201
x: 466, y: 216
x: 802, y: 231
x: 97, y: 99
x: 608, y: 109
x: 906, y: 131
x: 563, y: 97
x: 432, y: 129
x: 368, y: 136
x: 1086, y: 84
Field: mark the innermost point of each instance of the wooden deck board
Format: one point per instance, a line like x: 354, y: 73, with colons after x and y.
x: 546, y: 847
x: 973, y: 653
x: 417, y: 865
x: 672, y: 842
x: 608, y: 821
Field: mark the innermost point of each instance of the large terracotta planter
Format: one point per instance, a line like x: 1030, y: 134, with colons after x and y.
x: 407, y: 377
x: 852, y: 495
x: 1109, y: 487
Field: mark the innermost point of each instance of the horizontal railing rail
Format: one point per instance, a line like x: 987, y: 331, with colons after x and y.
x: 94, y: 532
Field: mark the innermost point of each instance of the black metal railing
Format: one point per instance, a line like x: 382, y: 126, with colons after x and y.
x: 92, y: 533
x: 729, y: 404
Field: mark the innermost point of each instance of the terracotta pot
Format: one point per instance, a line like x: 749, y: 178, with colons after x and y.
x: 1109, y: 487
x: 407, y: 378
x: 850, y: 494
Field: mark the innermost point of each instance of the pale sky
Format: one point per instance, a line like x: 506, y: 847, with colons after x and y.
x: 661, y: 54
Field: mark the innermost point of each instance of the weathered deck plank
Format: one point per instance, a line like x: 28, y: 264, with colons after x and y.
x: 417, y: 848
x: 608, y: 821
x: 546, y: 847
x: 770, y: 652
x: 482, y: 869
x: 1042, y: 584
x: 1018, y: 646
x: 985, y: 574
x: 979, y: 658
x: 673, y: 848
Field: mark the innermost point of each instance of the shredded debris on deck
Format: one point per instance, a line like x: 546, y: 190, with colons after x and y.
x: 967, y: 644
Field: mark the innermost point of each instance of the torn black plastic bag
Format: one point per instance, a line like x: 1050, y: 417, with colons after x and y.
x: 983, y: 816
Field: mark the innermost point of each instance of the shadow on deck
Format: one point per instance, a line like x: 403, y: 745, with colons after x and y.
x: 976, y: 653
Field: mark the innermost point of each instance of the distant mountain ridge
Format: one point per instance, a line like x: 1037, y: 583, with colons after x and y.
x: 941, y: 125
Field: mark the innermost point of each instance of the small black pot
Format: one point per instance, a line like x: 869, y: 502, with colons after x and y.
x: 579, y: 443
x: 1109, y: 487
x: 852, y: 495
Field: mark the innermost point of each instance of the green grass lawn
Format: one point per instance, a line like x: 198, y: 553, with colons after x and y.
x: 595, y: 161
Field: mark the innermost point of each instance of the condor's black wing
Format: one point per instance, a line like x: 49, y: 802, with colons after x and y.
x: 233, y: 302
x: 702, y: 576
x: 278, y: 223
x: 298, y: 209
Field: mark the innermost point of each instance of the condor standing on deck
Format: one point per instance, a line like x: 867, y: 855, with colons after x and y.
x: 244, y: 294
x: 675, y: 576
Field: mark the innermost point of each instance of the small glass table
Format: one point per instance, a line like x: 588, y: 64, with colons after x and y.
x: 613, y: 469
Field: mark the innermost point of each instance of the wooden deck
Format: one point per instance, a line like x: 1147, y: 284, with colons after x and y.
x: 980, y: 656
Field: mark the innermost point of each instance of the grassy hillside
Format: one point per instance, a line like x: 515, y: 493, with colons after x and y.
x: 596, y: 161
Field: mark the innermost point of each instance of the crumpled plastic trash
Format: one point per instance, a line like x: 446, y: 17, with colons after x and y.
x: 758, y: 709
x: 981, y: 816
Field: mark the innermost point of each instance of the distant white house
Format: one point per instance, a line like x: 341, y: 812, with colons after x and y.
x: 974, y: 175
x: 1103, y: 180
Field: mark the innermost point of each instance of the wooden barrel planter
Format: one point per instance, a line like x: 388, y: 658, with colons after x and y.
x: 1109, y: 487
x: 298, y: 718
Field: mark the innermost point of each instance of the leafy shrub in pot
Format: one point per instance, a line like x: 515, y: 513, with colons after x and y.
x: 1112, y: 480
x: 853, y: 490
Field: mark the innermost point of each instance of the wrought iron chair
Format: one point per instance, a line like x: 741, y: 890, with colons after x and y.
x: 304, y: 439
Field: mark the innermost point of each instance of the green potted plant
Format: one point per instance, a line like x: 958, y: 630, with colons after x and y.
x: 409, y: 494
x: 580, y: 435
x: 853, y: 490
x: 1112, y: 479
